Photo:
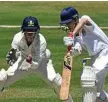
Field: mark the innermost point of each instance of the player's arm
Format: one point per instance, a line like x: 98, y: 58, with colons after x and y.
x: 40, y: 52
x: 43, y: 46
x: 34, y: 61
x: 43, y: 53
x: 85, y: 20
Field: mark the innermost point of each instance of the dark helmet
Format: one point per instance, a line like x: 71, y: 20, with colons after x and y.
x: 30, y: 24
x: 68, y: 14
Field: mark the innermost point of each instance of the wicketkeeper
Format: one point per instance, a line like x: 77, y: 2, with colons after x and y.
x: 88, y: 36
x: 29, y: 54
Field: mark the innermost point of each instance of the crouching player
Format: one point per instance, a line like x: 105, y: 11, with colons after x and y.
x: 29, y: 54
x: 88, y: 36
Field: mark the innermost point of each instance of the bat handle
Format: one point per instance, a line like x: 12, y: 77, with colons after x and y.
x: 70, y: 35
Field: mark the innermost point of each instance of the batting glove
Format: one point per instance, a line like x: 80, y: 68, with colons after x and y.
x: 76, y: 50
x: 68, y: 41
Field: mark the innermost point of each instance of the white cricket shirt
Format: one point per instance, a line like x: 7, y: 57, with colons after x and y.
x: 36, y: 49
x: 93, y: 38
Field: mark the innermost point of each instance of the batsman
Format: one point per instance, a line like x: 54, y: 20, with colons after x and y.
x: 89, y: 37
x: 28, y: 55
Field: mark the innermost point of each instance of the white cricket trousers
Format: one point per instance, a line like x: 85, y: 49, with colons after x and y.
x: 46, y: 72
x: 99, y: 62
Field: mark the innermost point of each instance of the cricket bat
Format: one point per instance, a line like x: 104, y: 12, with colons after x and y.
x: 66, y: 74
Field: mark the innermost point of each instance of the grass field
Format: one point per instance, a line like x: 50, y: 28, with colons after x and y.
x: 32, y: 88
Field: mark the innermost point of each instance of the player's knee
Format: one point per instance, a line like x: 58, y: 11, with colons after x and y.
x: 3, y: 78
x: 3, y: 75
x: 57, y: 80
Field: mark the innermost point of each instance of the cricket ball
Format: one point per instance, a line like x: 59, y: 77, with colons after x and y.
x: 29, y: 59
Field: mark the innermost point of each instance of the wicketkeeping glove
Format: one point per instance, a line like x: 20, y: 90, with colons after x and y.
x: 11, y: 57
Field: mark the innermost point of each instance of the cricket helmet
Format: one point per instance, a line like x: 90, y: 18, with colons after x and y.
x: 30, y: 24
x: 68, y: 14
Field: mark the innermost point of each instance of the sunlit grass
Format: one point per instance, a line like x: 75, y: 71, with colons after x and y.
x: 32, y: 88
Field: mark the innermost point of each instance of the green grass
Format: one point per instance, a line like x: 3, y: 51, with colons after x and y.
x: 32, y: 88
x: 48, y: 12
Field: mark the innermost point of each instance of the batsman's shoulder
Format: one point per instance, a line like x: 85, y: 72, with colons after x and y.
x: 85, y: 17
x: 87, y: 20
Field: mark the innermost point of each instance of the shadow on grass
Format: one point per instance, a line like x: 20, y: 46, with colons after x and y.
x: 50, y: 99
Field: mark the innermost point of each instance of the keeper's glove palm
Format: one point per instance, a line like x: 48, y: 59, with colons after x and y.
x: 11, y: 57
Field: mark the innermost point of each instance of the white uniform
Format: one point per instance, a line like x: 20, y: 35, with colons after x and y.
x: 40, y: 55
x: 36, y: 49
x: 95, y: 42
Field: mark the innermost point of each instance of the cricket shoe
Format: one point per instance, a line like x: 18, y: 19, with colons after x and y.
x: 103, y: 97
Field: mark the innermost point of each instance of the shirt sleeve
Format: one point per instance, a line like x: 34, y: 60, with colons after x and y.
x: 43, y: 46
x: 40, y: 48
x: 89, y: 26
x: 14, y: 43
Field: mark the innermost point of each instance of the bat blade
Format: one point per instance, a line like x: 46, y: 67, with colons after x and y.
x: 66, y: 77
x: 66, y: 74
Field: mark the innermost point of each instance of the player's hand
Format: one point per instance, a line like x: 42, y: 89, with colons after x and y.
x: 29, y: 59
x: 11, y: 57
x: 68, y: 41
x: 28, y: 64
x: 76, y: 50
x: 25, y: 66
